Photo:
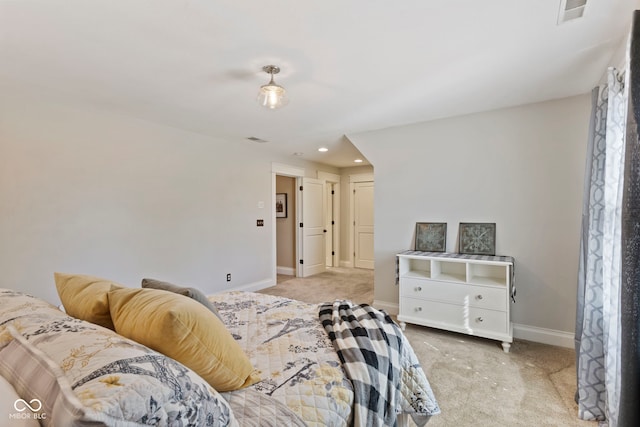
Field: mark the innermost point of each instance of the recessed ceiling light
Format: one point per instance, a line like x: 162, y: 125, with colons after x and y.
x: 323, y: 149
x: 357, y: 161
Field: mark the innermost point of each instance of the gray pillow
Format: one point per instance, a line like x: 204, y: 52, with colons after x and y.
x: 192, y: 293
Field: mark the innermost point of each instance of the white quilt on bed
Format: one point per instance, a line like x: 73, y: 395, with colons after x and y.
x: 299, y: 366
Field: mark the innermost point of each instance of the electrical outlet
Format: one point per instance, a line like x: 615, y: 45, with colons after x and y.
x: 228, y: 277
x: 260, y: 223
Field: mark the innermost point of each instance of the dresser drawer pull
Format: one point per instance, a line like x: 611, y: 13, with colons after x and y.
x: 418, y: 308
x: 418, y: 288
x: 478, y: 297
x: 479, y: 320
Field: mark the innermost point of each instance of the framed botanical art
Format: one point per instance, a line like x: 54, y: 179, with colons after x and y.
x: 477, y: 238
x: 431, y: 236
x: 281, y: 205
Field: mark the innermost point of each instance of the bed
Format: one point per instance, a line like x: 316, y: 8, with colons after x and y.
x: 303, y: 371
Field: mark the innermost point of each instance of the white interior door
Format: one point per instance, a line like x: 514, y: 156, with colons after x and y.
x: 363, y: 224
x: 329, y: 225
x: 313, y: 227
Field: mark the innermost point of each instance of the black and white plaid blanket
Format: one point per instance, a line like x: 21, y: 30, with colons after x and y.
x: 381, y: 363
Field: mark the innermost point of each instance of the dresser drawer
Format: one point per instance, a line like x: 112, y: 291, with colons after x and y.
x: 455, y: 293
x: 461, y: 318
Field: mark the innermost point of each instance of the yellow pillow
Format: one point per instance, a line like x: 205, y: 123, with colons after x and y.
x: 85, y: 297
x: 184, y: 330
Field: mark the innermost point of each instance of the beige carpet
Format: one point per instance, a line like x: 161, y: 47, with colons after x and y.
x: 345, y: 283
x: 474, y: 381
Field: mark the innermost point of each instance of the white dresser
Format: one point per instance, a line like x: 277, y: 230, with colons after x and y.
x: 462, y: 293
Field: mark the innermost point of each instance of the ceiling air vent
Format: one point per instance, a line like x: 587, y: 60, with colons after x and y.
x: 256, y: 139
x: 571, y: 9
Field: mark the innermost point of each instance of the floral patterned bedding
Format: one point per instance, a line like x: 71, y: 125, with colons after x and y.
x: 297, y: 362
x: 125, y: 383
x: 303, y: 383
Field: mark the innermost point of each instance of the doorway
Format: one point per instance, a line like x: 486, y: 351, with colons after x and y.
x: 285, y: 225
x: 332, y: 218
x: 305, y: 220
x: 362, y: 220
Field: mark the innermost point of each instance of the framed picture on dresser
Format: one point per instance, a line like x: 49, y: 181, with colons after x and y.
x: 431, y: 236
x: 477, y: 238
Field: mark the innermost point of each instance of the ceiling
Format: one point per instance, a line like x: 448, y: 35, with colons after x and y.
x: 348, y: 66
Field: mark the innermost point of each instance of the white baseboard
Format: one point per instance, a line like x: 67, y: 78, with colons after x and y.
x: 523, y: 332
x: 286, y: 271
x: 347, y: 264
x: 256, y: 286
x: 390, y: 307
x: 544, y: 336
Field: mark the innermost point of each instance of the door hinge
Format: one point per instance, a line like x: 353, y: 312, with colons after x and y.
x: 301, y: 188
x: 333, y: 192
x: 333, y: 253
x: 301, y: 225
x: 333, y: 223
x: 301, y: 261
x: 354, y: 191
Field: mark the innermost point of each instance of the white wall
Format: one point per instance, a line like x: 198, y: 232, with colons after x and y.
x: 85, y: 191
x: 521, y: 168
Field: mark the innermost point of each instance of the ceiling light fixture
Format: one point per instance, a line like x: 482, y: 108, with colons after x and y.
x: 323, y: 149
x: 357, y: 161
x: 272, y: 95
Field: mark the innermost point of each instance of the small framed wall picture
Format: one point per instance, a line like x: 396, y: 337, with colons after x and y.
x: 281, y: 205
x: 431, y: 236
x: 477, y: 238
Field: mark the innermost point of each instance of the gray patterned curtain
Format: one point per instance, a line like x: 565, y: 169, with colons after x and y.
x: 607, y: 322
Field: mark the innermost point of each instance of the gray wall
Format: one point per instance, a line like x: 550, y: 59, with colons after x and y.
x: 87, y: 191
x: 91, y: 192
x: 521, y: 168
